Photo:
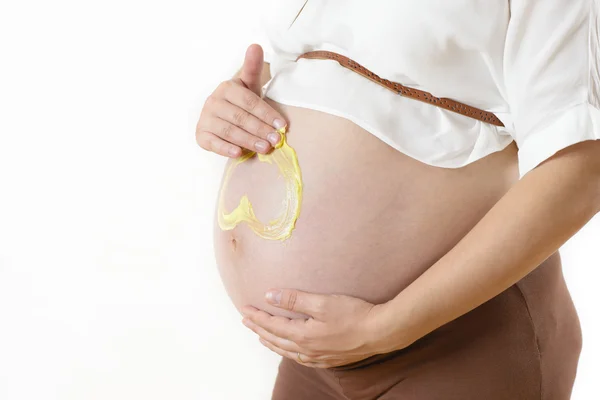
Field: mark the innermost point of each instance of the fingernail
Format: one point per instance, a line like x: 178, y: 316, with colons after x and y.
x: 261, y: 146
x: 278, y: 124
x: 273, y: 138
x: 233, y: 152
x: 274, y: 296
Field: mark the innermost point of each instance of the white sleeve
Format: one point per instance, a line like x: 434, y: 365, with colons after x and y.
x: 551, y: 73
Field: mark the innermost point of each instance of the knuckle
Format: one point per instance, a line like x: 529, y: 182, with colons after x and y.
x: 221, y: 89
x: 239, y: 117
x: 224, y: 149
x: 267, y: 115
x: 291, y: 300
x: 262, y: 130
x: 301, y: 338
x: 305, y: 338
x: 225, y: 85
x: 251, y: 100
x: 211, y: 103
x: 210, y: 100
x: 227, y: 131
x: 296, y: 337
x: 313, y: 354
x: 261, y: 320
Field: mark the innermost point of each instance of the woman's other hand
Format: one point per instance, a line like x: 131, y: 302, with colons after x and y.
x: 341, y: 329
x: 235, y: 116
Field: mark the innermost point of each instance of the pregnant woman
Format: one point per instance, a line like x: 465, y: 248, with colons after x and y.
x: 401, y: 177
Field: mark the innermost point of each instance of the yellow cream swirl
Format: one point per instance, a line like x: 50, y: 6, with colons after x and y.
x: 280, y: 228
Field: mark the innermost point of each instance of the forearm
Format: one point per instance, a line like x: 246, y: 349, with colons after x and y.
x: 536, y: 216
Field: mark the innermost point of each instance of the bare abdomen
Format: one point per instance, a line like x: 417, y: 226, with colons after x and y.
x: 371, y: 221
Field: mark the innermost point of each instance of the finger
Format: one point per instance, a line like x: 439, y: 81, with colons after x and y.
x: 306, y: 360
x: 211, y: 142
x: 282, y: 327
x: 252, y: 69
x: 245, y: 99
x: 315, y: 305
x: 282, y: 343
x: 246, y: 121
x: 236, y: 135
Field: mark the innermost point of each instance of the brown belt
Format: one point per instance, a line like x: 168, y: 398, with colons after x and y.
x: 448, y: 104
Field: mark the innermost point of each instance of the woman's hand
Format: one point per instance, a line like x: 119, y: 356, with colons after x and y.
x: 341, y: 329
x: 235, y: 116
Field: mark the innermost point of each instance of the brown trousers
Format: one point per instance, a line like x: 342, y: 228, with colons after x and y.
x: 523, y: 344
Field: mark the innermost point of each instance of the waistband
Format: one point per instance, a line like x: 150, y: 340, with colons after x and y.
x: 375, y: 359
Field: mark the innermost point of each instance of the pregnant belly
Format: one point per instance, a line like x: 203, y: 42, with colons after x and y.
x: 371, y: 219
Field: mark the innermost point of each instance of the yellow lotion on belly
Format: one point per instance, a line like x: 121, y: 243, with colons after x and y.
x: 281, y: 227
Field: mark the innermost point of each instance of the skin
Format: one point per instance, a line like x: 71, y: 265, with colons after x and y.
x: 235, y: 117
x: 530, y: 222
x: 372, y: 219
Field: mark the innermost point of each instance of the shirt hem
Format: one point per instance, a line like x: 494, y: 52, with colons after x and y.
x: 380, y: 135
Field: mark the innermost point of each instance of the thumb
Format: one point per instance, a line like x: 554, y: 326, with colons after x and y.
x: 252, y: 68
x: 298, y: 301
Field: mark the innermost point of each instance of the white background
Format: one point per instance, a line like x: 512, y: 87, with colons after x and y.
x: 108, y: 287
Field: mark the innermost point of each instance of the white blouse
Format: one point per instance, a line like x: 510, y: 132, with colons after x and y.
x: 534, y: 63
